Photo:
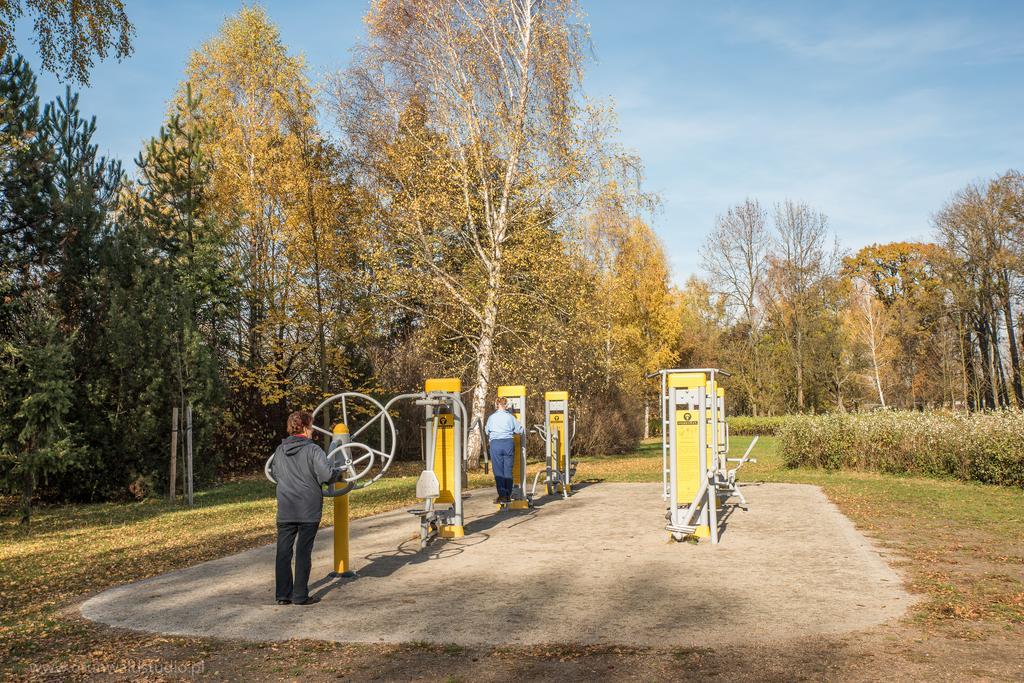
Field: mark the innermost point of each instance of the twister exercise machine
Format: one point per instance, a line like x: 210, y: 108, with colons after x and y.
x: 559, y: 468
x: 352, y: 461
x: 516, y: 397
x: 696, y: 476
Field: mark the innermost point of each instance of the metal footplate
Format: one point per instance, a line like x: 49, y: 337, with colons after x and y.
x: 516, y: 503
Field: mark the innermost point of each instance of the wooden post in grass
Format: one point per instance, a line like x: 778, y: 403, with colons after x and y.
x: 173, y: 474
x: 188, y: 449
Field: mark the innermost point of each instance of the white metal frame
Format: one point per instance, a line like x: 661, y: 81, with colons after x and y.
x: 431, y: 519
x: 558, y: 475
x: 717, y: 482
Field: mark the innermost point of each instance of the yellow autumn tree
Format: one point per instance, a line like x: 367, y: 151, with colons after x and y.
x: 276, y: 181
x: 635, y: 301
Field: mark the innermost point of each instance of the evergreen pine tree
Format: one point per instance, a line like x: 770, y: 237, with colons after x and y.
x: 35, y: 353
x: 174, y: 174
x: 35, y: 395
x: 26, y: 181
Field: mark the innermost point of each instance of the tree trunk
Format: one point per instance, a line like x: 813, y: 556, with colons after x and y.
x: 754, y: 387
x: 484, y: 356
x: 878, y: 385
x: 874, y: 332
x: 1002, y: 398
x: 321, y: 351
x: 799, y: 370
x: 1011, y: 340
x: 967, y: 363
x: 799, y: 386
x: 318, y: 275
x: 172, y: 474
x: 28, y: 489
x: 988, y: 387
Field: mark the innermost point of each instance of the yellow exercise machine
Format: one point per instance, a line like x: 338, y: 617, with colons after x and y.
x: 516, y: 397
x: 440, y: 483
x: 559, y: 468
x: 696, y: 477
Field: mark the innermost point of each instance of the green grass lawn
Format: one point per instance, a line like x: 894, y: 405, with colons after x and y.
x: 963, y: 543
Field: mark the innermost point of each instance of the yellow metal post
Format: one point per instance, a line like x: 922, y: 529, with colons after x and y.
x: 558, y: 426
x: 517, y: 407
x: 342, y: 565
x: 448, y: 463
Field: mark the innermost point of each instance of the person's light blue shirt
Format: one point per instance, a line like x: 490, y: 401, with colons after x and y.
x: 502, y: 425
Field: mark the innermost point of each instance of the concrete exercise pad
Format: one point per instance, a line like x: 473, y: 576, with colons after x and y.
x: 596, y: 568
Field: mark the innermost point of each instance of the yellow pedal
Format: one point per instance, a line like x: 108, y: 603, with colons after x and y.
x: 519, y: 505
x: 452, y: 531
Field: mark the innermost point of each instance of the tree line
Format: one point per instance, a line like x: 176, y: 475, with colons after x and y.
x: 450, y: 204
x: 910, y: 325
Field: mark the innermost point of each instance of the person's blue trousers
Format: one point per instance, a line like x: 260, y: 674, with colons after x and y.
x: 501, y: 461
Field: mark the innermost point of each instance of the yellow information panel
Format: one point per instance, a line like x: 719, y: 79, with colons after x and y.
x: 445, y: 466
x: 451, y: 385
x: 556, y: 424
x: 687, y: 426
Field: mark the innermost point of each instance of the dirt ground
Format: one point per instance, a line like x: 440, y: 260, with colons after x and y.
x: 893, y: 652
x: 594, y: 570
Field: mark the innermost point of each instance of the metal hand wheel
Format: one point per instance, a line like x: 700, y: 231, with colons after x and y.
x: 356, y: 457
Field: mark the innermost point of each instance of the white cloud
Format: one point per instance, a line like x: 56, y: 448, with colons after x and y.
x: 844, y: 41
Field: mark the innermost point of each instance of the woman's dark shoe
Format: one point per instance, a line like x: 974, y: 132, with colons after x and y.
x: 284, y: 602
x: 311, y: 600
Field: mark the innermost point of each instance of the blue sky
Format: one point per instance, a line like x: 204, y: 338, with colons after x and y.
x: 873, y: 112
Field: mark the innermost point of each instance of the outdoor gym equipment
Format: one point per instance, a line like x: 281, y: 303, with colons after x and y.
x: 516, y: 397
x: 354, y: 460
x: 696, y: 477
x: 559, y: 468
x: 440, y: 483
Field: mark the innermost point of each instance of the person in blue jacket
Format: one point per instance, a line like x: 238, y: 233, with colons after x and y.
x: 501, y: 429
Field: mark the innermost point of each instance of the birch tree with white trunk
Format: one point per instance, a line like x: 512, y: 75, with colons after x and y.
x: 870, y: 326
x: 467, y: 123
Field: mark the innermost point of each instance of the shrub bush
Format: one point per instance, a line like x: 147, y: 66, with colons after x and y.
x: 984, y: 447
x: 756, y: 426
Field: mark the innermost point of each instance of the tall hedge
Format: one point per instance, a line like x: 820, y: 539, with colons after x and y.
x: 984, y: 447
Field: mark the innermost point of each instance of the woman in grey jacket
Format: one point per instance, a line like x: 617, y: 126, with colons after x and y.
x: 300, y: 467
